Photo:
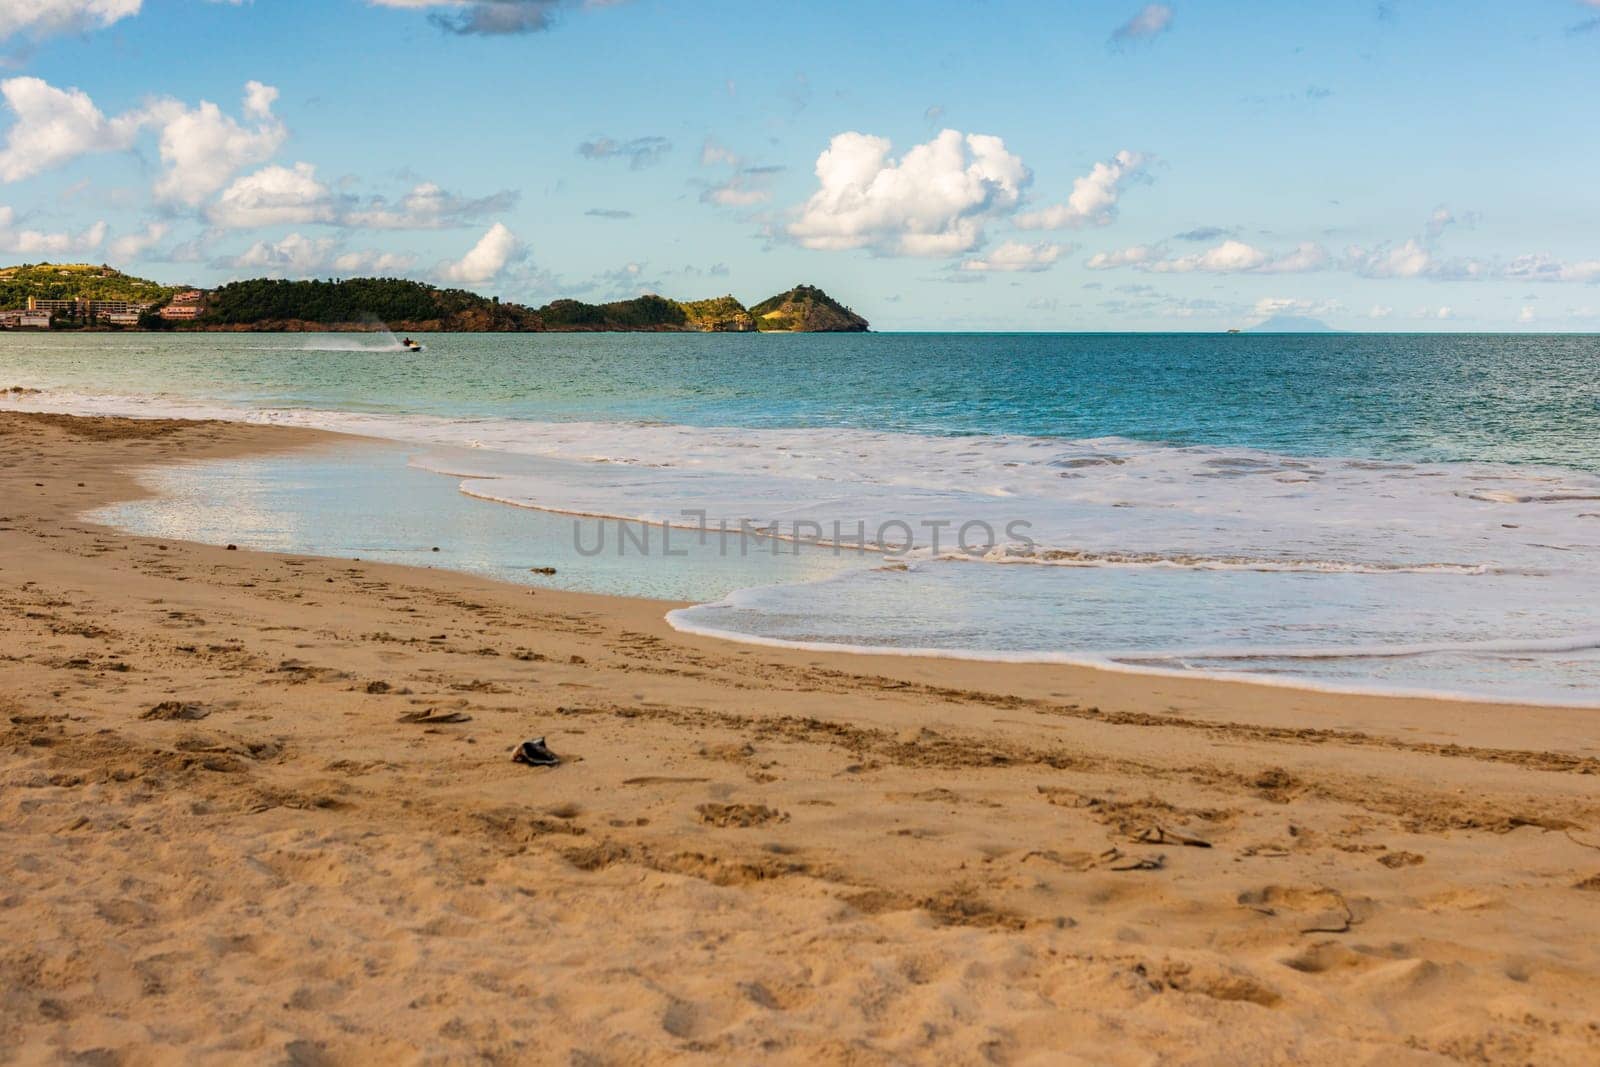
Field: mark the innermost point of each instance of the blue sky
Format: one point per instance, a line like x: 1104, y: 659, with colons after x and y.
x: 985, y: 164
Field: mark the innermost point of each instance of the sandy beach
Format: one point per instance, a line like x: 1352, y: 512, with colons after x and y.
x: 260, y: 808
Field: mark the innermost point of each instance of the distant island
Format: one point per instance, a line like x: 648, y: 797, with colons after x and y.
x: 84, y: 296
x: 1291, y: 324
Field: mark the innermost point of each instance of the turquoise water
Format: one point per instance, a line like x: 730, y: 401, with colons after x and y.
x: 1517, y: 398
x: 1390, y: 512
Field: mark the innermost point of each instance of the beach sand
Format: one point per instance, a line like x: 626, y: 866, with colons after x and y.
x: 223, y: 838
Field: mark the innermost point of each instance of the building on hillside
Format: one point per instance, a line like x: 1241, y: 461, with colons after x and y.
x: 121, y: 318
x: 66, y: 309
x: 104, y: 309
x: 37, y: 320
x: 185, y: 306
x: 89, y: 310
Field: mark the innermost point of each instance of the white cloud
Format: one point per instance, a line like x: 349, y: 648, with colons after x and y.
x: 1407, y: 260
x: 1137, y: 255
x: 373, y: 262
x: 1229, y: 257
x: 486, y: 259
x: 1093, y: 201
x: 133, y: 245
x: 54, y: 126
x: 292, y: 255
x: 203, y: 148
x: 933, y: 201
x: 40, y: 17
x: 1017, y: 256
x: 1542, y: 267
x: 40, y: 243
x: 738, y: 191
x: 427, y: 207
x: 745, y: 188
x: 298, y: 256
x: 1269, y: 306
x: 273, y: 196
x: 1526, y: 314
x: 1152, y: 20
x: 1380, y: 311
x: 1307, y: 256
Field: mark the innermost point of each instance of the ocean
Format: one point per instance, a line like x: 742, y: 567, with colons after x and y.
x: 1393, y: 513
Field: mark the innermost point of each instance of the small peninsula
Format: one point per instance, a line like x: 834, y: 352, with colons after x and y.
x: 84, y: 296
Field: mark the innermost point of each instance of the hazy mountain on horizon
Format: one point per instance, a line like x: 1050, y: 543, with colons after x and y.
x: 1291, y: 324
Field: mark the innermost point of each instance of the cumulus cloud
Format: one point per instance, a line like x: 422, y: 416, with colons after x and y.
x: 294, y: 254
x: 933, y: 201
x: 1307, y: 256
x: 640, y: 152
x: 1015, y: 256
x: 1134, y: 256
x: 133, y: 245
x: 1149, y: 22
x: 486, y: 259
x: 54, y: 126
x: 1543, y: 267
x: 203, y: 148
x: 298, y: 256
x: 1229, y: 257
x: 40, y: 17
x: 1094, y: 197
x: 200, y: 147
x: 428, y: 207
x: 1408, y: 259
x: 28, y: 242
x: 273, y: 196
x: 1418, y: 257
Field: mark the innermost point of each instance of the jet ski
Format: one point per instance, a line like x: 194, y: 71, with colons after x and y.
x: 411, y: 346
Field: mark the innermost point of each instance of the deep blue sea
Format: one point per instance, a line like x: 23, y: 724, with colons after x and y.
x: 1390, y: 512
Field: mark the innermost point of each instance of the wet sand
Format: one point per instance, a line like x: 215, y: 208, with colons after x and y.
x: 260, y: 808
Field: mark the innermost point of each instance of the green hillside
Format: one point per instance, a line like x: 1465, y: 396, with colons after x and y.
x: 722, y: 314
x: 806, y: 309
x: 400, y: 304
x: 649, y: 313
x: 68, y: 281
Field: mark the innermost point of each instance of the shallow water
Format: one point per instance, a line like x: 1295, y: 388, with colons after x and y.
x: 1282, y: 507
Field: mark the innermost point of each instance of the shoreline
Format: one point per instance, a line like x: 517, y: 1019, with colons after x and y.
x: 333, y: 440
x: 1077, y: 661
x: 220, y: 803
